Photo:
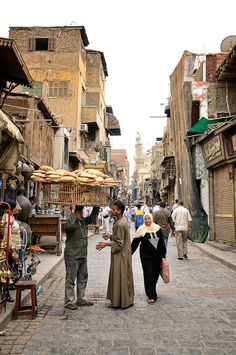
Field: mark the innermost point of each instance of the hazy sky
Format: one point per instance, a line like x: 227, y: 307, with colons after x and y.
x: 142, y: 42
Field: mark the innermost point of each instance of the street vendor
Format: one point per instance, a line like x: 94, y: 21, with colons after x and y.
x: 75, y: 255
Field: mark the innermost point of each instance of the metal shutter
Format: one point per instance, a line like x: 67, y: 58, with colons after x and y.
x: 223, y: 193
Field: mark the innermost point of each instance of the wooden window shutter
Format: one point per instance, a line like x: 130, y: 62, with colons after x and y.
x: 31, y: 44
x: 51, y: 44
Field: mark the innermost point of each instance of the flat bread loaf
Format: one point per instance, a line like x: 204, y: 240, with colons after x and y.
x: 78, y: 172
x: 94, y: 171
x: 38, y: 175
x: 70, y: 173
x: 45, y: 167
x: 68, y: 179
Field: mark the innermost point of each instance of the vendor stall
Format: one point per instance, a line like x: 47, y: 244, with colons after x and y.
x: 47, y: 225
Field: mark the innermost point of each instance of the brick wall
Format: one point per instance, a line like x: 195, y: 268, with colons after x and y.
x: 67, y: 39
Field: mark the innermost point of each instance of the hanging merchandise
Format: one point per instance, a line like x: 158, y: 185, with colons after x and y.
x: 5, y: 273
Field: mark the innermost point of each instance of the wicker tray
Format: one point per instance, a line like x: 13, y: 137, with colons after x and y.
x: 66, y: 194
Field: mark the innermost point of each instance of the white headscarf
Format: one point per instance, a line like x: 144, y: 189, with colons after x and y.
x: 143, y: 229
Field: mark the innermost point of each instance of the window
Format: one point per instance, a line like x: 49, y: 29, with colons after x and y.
x: 91, y: 135
x: 59, y: 89
x: 42, y: 44
x: 37, y: 89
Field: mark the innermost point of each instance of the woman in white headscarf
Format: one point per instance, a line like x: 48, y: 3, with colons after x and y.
x: 152, y: 250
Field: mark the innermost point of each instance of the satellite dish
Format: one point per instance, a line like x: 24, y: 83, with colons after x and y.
x: 228, y: 43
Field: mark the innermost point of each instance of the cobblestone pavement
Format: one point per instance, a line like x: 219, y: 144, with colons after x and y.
x: 194, y: 314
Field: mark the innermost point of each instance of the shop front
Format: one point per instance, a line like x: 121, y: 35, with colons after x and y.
x: 219, y: 151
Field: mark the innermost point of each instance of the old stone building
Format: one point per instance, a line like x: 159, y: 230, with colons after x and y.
x: 94, y: 106
x: 202, y: 102
x: 71, y: 80
x: 142, y: 173
x: 56, y: 58
x: 119, y: 157
x: 155, y: 180
x: 167, y: 184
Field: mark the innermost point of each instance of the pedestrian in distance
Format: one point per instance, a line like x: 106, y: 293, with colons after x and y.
x: 106, y: 219
x: 165, y: 221
x: 138, y: 217
x: 175, y: 205
x: 75, y: 256
x: 145, y: 208
x: 127, y: 214
x: 120, y: 289
x: 152, y: 250
x: 183, y: 225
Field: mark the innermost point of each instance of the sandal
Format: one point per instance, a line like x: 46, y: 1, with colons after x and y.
x: 71, y: 306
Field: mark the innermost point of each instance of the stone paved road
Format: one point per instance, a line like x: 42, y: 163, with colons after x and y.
x: 194, y: 314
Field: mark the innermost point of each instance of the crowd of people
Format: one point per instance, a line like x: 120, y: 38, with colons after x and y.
x: 153, y: 227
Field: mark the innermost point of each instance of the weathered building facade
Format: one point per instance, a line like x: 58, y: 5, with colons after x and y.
x: 167, y: 184
x: 56, y: 58
x: 120, y: 159
x: 71, y: 80
x: 142, y: 174
x: 203, y: 97
x: 155, y: 180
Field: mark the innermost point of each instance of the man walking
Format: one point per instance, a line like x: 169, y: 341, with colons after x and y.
x: 183, y: 225
x: 75, y: 256
x: 120, y: 289
x: 164, y: 220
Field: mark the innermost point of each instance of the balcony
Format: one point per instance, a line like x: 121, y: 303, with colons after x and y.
x: 168, y: 182
x: 90, y: 115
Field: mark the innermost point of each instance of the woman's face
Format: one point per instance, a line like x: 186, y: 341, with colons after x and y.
x: 147, y: 220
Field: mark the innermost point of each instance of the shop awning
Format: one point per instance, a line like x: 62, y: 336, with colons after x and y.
x: 9, y: 144
x: 13, y: 67
x: 7, y: 125
x: 113, y: 125
x: 202, y: 125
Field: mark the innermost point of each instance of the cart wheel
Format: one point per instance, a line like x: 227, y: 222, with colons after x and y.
x: 31, y: 270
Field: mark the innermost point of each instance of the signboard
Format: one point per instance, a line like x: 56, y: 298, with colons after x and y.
x: 213, y: 150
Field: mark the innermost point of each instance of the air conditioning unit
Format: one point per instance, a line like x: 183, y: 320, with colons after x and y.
x: 83, y: 127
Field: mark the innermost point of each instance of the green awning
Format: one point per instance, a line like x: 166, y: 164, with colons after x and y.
x: 202, y: 125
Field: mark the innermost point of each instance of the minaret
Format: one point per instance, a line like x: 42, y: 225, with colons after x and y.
x: 139, y: 155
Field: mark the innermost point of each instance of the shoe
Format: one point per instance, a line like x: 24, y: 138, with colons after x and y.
x: 151, y: 301
x: 185, y: 256
x: 84, y: 302
x: 181, y: 258
x: 71, y: 306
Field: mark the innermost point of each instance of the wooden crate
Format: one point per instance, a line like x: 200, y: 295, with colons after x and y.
x: 67, y: 194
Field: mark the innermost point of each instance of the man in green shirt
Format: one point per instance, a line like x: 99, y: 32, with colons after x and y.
x: 75, y: 255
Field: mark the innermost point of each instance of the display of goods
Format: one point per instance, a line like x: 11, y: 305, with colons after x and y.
x: 67, y: 194
x: 92, y: 177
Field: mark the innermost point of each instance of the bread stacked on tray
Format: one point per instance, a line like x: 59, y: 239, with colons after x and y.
x: 92, y: 177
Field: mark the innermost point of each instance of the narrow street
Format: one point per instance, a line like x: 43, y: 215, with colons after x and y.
x: 194, y: 314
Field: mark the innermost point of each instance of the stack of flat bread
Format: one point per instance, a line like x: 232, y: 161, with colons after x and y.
x: 92, y: 177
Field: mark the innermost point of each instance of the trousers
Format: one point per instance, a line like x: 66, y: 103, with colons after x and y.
x: 181, y: 243
x: 76, y: 274
x: 151, y: 271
